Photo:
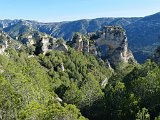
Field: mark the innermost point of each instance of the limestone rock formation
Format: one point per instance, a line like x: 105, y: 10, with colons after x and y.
x: 113, y: 45
x: 4, y: 39
x: 86, y: 46
x: 104, y: 82
x: 61, y: 47
x: 47, y: 43
x: 28, y: 40
x: 93, y: 50
x: 62, y: 67
x: 110, y: 44
x: 80, y: 43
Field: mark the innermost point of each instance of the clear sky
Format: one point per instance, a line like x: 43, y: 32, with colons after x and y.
x: 66, y: 10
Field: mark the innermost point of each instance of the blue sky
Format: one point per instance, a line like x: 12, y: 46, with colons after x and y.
x: 66, y: 10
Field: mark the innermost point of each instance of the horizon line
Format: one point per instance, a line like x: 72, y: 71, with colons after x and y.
x: 39, y: 21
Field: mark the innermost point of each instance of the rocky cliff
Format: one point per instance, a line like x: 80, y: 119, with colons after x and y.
x: 80, y: 43
x: 109, y: 44
x: 142, y: 33
x: 4, y: 39
x: 113, y: 45
x: 7, y: 42
x: 45, y: 43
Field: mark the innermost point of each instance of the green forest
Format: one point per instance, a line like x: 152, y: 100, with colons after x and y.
x: 69, y: 86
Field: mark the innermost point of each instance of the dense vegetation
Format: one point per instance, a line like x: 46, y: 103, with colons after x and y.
x: 27, y: 90
x: 68, y: 86
x: 73, y: 85
x: 28, y: 85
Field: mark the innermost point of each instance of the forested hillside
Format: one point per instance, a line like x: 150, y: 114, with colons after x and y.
x: 68, y: 86
x: 30, y: 86
x: 92, y: 77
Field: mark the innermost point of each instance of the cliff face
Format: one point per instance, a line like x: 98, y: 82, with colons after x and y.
x: 4, y: 39
x: 28, y: 40
x: 80, y: 43
x: 109, y: 44
x: 113, y: 45
x: 47, y: 43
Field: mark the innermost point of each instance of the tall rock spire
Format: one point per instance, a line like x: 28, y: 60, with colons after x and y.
x: 113, y: 45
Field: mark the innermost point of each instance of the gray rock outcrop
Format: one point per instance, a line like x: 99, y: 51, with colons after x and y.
x: 4, y: 39
x: 46, y: 43
x: 80, y: 43
x: 110, y: 44
x: 113, y: 45
x: 28, y: 40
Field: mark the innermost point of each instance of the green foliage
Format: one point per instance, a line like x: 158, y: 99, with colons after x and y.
x: 119, y: 103
x: 132, y: 88
x: 79, y: 83
x: 143, y: 115
x: 74, y: 95
x: 157, y: 118
x: 9, y: 100
x: 60, y: 41
x: 67, y: 85
x: 68, y: 112
x: 27, y: 89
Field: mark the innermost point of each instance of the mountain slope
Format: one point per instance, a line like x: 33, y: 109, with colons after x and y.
x: 144, y: 35
x: 66, y: 29
x: 84, y: 26
x: 21, y: 27
x: 69, y: 85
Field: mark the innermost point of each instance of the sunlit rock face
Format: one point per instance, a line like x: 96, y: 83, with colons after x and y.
x: 4, y: 39
x: 80, y: 43
x: 46, y: 43
x: 29, y: 40
x: 113, y: 45
x: 109, y: 44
